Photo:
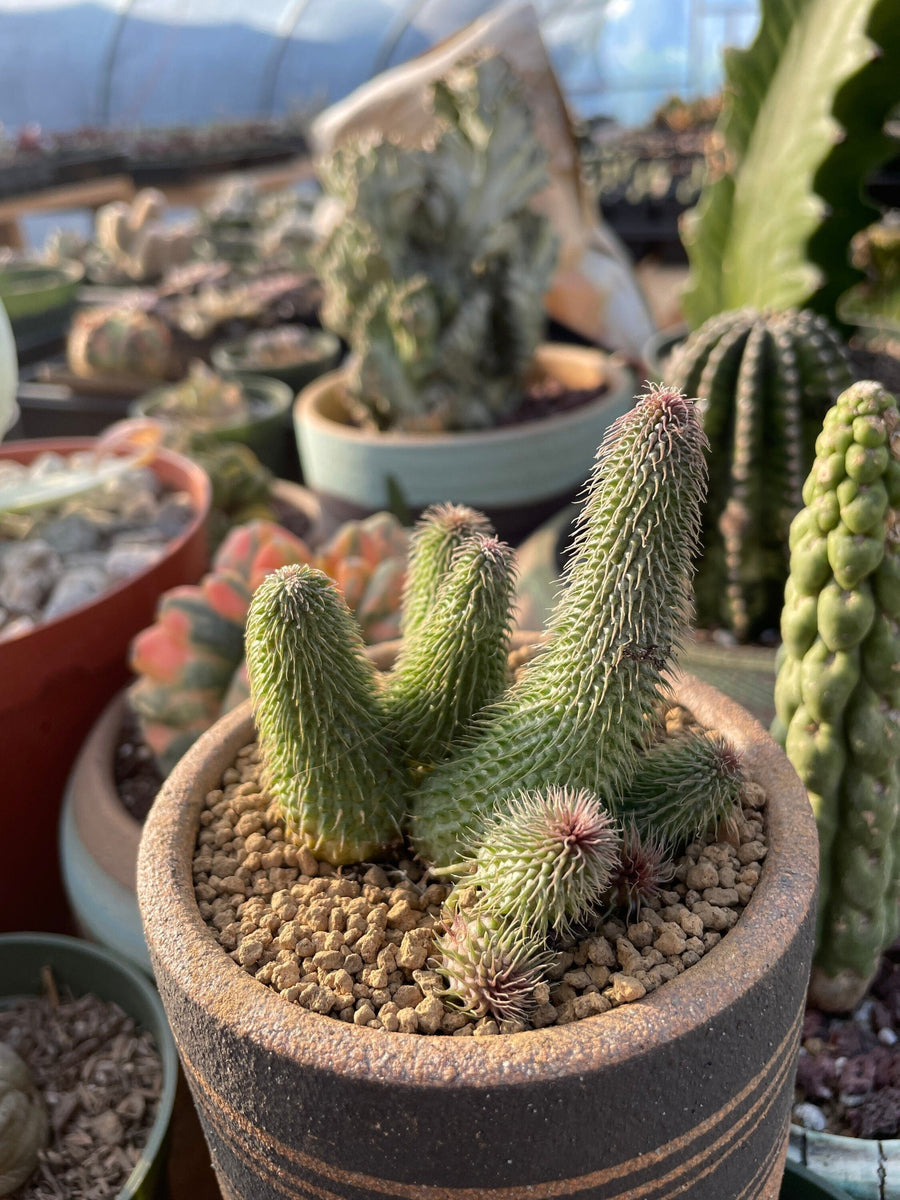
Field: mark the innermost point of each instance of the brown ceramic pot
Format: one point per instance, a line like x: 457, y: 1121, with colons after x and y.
x: 685, y: 1093
x: 55, y: 680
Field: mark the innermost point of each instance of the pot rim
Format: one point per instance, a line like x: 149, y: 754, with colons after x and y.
x: 613, y: 371
x: 275, y: 395
x: 184, y: 949
x: 194, y: 479
x: 230, y: 352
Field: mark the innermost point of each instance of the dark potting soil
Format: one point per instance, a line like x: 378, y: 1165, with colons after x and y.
x: 100, y: 1079
x: 548, y: 398
x: 849, y: 1066
x: 136, y: 774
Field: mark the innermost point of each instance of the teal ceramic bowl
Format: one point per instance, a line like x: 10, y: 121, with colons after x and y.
x: 800, y: 1184
x: 29, y: 290
x: 82, y: 967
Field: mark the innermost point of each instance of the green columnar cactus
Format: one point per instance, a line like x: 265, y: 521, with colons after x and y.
x: 490, y: 968
x: 441, y: 529
x: 838, y: 689
x: 579, y: 715
x: 436, y: 271
x: 319, y: 721
x: 544, y: 861
x: 455, y: 662
x: 767, y: 379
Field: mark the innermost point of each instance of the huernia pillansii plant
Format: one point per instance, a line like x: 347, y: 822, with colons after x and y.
x: 767, y: 379
x: 525, y: 797
x: 837, y: 694
x: 642, y: 869
x: 579, y: 714
x: 189, y: 662
x: 436, y: 271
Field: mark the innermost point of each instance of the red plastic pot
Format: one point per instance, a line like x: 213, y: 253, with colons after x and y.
x: 55, y: 680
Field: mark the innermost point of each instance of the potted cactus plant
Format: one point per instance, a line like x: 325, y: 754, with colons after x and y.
x: 189, y: 670
x: 837, y: 701
x: 434, y: 273
x: 500, y: 786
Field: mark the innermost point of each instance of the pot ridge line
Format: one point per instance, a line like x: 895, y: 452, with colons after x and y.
x: 215, y: 1105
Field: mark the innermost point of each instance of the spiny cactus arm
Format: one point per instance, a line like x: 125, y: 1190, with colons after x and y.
x: 544, y: 860
x: 491, y: 969
x: 682, y: 786
x: 580, y: 713
x: 643, y: 868
x: 455, y: 662
x: 803, y: 116
x: 838, y: 688
x: 318, y: 718
x: 441, y: 529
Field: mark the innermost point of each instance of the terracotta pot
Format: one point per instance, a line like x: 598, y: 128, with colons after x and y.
x: 55, y: 681
x: 686, y: 1092
x: 518, y: 474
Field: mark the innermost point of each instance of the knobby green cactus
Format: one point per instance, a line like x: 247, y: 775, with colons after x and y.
x: 767, y: 379
x: 544, y: 862
x: 319, y: 720
x: 682, y: 786
x: 454, y: 663
x: 580, y: 714
x: 838, y: 689
x: 435, y: 273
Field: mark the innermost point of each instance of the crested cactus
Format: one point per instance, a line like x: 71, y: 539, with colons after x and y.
x: 135, y: 241
x: 838, y: 688
x: 327, y: 760
x: 767, y: 379
x: 189, y: 659
x: 580, y: 713
x: 544, y: 862
x: 682, y: 786
x: 455, y: 662
x: 436, y: 271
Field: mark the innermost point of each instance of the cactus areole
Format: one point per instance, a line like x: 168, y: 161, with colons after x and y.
x: 534, y: 778
x: 838, y: 690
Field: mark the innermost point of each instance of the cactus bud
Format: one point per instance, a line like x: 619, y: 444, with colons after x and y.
x: 643, y: 868
x: 683, y: 785
x: 490, y: 968
x: 545, y: 858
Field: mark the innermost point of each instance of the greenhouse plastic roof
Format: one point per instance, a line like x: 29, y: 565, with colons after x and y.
x: 166, y: 62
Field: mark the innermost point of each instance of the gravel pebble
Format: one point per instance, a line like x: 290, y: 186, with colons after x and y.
x: 356, y: 942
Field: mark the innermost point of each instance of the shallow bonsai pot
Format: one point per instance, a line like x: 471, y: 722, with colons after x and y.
x: 686, y: 1092
x: 80, y: 967
x: 267, y: 431
x: 518, y: 474
x: 39, y: 300
x: 865, y: 1169
x: 233, y: 358
x: 56, y: 680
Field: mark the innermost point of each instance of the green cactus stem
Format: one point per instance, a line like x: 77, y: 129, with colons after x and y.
x: 837, y: 693
x: 490, y: 968
x: 318, y: 717
x: 441, y: 529
x: 682, y: 786
x: 544, y: 861
x: 767, y: 379
x: 580, y: 712
x: 455, y: 662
